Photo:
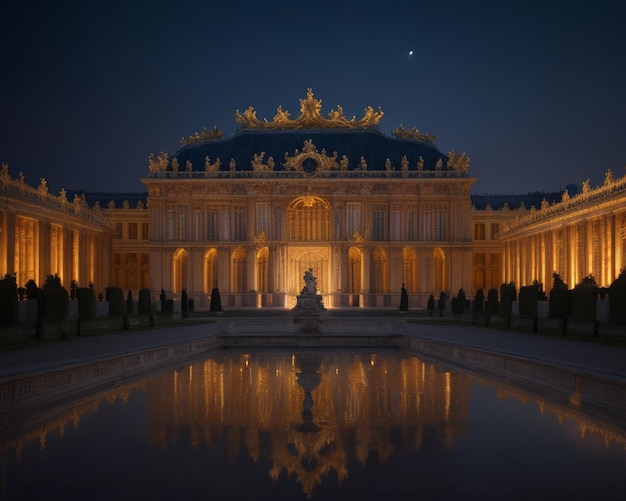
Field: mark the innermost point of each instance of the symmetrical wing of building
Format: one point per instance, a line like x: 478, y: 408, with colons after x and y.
x: 367, y: 211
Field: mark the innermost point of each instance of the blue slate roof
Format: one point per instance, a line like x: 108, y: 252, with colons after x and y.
x: 371, y: 144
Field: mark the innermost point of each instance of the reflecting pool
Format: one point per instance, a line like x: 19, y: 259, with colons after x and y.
x: 313, y: 424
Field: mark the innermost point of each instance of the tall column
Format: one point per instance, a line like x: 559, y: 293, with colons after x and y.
x: 251, y: 269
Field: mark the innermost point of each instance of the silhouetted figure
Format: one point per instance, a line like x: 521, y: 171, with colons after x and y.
x: 184, y: 304
x: 163, y: 299
x: 431, y: 305
x: 479, y: 301
x: 216, y: 301
x: 404, y: 299
x: 442, y: 303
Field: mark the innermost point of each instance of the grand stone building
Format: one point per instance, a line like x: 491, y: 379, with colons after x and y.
x: 368, y: 212
x: 44, y: 234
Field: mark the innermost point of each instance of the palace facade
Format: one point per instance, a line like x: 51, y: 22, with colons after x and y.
x: 367, y: 211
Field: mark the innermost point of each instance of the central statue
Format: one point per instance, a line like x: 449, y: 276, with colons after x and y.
x: 309, y: 309
x: 310, y: 283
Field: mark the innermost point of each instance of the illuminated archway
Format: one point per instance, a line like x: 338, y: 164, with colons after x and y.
x: 179, y: 271
x: 210, y: 270
x: 238, y: 259
x: 409, y: 269
x: 380, y: 271
x: 439, y: 265
x: 354, y: 270
x: 262, y: 269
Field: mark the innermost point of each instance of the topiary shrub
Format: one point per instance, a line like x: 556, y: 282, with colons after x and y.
x: 56, y: 300
x: 560, y: 299
x: 584, y: 299
x: 508, y: 294
x: 528, y: 299
x: 115, y: 297
x: 493, y: 306
x: 617, y: 300
x: 86, y: 303
x: 144, y: 304
x: 479, y: 301
x: 8, y: 301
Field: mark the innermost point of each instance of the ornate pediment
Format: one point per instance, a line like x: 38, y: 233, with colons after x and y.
x: 402, y: 133
x: 310, y: 118
x: 309, y: 160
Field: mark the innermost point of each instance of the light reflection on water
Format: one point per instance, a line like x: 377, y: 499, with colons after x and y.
x: 313, y: 424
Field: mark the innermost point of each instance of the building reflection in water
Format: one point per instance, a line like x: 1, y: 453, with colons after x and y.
x: 313, y: 410
x: 309, y: 414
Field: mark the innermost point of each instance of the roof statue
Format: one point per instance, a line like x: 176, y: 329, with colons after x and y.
x: 310, y: 118
x: 402, y: 133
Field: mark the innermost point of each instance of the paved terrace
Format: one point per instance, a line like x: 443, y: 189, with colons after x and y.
x: 582, y: 356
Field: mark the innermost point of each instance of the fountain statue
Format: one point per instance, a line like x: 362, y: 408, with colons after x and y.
x: 309, y: 309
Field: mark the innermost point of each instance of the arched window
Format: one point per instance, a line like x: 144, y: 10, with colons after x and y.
x: 439, y: 261
x: 262, y: 270
x: 179, y: 275
x: 480, y: 270
x: 239, y: 270
x: 409, y: 269
x: 380, y: 275
x: 210, y: 270
x: 354, y: 270
x: 309, y: 219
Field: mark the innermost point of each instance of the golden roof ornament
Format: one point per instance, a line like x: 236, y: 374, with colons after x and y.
x: 402, y: 133
x: 205, y: 135
x: 310, y: 118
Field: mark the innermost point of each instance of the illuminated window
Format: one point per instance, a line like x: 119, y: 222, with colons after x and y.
x: 239, y: 223
x: 441, y: 213
x: 170, y: 223
x: 210, y: 270
x: 197, y: 225
x: 409, y: 269
x: 379, y: 278
x: 479, y: 231
x: 427, y: 221
x: 179, y: 281
x: 239, y: 270
x: 212, y: 225
x: 225, y: 224
x: 396, y: 223
x: 411, y: 223
x: 132, y: 231
x: 262, y: 266
x: 309, y: 219
x: 182, y: 224
x: 480, y: 270
x: 56, y: 250
x: 354, y: 271
x: 353, y: 220
x: 495, y: 230
x: 379, y: 219
x: 263, y: 219
x: 145, y: 231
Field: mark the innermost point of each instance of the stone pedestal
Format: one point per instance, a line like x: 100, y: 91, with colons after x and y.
x: 308, y: 312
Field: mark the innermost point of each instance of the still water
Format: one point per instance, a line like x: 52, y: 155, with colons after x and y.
x: 313, y: 425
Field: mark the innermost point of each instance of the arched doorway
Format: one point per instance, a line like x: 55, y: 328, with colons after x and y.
x: 210, y: 270
x: 239, y: 270
x: 439, y: 262
x: 179, y: 271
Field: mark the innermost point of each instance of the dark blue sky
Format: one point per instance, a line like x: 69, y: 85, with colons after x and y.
x: 534, y: 92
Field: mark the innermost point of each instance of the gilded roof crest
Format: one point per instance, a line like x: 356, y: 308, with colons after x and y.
x: 310, y: 118
x: 402, y: 133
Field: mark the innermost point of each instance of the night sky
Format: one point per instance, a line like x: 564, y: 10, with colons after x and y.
x: 534, y: 93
